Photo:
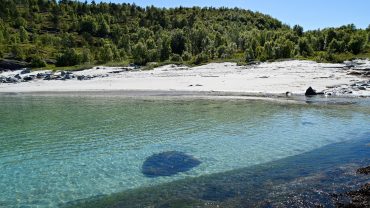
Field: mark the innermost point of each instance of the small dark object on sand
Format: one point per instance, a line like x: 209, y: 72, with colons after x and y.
x: 168, y: 164
x: 310, y: 92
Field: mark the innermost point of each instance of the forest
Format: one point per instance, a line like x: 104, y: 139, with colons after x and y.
x: 47, y: 33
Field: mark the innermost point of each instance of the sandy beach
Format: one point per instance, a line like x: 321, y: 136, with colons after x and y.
x: 262, y: 79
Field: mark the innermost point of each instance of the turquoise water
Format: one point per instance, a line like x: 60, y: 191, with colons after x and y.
x: 58, y: 149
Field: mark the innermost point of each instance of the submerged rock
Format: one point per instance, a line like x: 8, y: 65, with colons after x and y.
x: 359, y: 198
x: 168, y: 164
x: 218, y: 193
x: 310, y: 92
x: 365, y: 170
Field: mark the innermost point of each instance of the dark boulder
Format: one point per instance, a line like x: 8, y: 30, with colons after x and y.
x: 26, y: 71
x: 56, y: 77
x: 40, y: 75
x: 11, y: 80
x: 17, y: 76
x: 310, y: 92
x: 168, y: 164
x: 27, y: 78
x: 81, y: 77
x: 6, y: 64
x: 362, y: 88
x: 67, y: 76
x: 47, y: 77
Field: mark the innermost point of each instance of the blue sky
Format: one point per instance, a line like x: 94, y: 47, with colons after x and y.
x: 311, y: 14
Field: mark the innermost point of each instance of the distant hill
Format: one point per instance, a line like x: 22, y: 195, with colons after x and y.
x: 68, y: 33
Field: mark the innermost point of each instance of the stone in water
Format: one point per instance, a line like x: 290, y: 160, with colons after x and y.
x: 168, y: 164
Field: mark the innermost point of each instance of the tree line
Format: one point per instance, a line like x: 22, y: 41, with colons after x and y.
x: 68, y: 33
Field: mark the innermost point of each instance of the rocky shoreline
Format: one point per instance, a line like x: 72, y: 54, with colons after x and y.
x: 356, y: 198
x: 25, y: 75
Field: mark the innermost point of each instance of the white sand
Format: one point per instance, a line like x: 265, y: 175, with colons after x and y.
x: 266, y: 78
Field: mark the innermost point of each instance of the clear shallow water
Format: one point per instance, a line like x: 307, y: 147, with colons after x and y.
x: 54, y: 150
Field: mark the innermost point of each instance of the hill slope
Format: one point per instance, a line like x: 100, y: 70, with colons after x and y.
x: 71, y: 33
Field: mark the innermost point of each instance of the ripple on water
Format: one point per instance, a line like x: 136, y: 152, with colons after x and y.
x: 59, y: 149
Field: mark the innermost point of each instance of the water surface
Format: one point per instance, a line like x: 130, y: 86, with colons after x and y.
x: 59, y: 149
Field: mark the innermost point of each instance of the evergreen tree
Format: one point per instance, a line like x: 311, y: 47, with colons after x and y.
x: 178, y: 42
x: 357, y: 44
x: 23, y: 35
x: 139, y: 53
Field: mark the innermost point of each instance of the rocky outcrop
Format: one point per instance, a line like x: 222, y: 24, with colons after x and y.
x: 358, y: 67
x: 7, y: 64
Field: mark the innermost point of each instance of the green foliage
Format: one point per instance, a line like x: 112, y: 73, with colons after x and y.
x: 106, y: 54
x: 139, y: 53
x: 18, y: 52
x: 186, y: 56
x: 23, y: 34
x: 249, y: 55
x: 304, y: 47
x: 176, y: 58
x: 336, y: 46
x: 74, y: 32
x: 88, y: 25
x: 20, y: 22
x: 165, y: 49
x: 200, y: 58
x: 37, y: 62
x: 87, y: 57
x: 298, y: 30
x: 357, y: 44
x: 104, y: 28
x: 178, y: 42
x: 69, y: 58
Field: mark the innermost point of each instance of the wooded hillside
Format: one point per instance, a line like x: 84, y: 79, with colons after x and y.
x: 68, y: 33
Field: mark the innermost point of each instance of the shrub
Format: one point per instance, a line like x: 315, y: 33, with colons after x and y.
x: 186, y: 56
x: 249, y: 54
x: 357, y: 44
x: 176, y: 58
x: 140, y: 54
x: 37, y: 62
x: 200, y: 58
x: 106, y: 54
x: 69, y: 58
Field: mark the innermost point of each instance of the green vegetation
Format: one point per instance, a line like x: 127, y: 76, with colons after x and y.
x: 72, y: 33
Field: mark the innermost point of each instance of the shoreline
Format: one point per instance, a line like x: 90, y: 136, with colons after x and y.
x: 264, y: 80
x: 156, y: 95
